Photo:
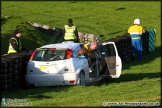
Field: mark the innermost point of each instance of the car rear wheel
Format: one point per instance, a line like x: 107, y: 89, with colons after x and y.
x: 81, y: 79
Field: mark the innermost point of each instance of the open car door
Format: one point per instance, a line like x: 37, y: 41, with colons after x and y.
x: 111, y: 65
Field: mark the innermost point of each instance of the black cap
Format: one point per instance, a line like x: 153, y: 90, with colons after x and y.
x: 70, y: 21
x: 16, y: 32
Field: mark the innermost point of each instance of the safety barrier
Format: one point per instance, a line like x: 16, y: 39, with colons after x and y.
x: 13, y: 68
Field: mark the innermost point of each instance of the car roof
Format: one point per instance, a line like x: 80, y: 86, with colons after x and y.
x: 62, y: 45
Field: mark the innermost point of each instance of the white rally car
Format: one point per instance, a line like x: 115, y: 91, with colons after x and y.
x: 57, y: 64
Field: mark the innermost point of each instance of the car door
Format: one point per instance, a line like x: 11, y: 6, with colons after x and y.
x: 110, y: 62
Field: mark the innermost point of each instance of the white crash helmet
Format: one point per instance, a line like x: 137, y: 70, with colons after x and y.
x: 137, y: 21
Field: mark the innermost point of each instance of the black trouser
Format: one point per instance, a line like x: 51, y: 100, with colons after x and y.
x: 92, y: 57
x: 95, y: 57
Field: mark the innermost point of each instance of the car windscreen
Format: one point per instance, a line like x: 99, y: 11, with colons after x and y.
x: 50, y: 54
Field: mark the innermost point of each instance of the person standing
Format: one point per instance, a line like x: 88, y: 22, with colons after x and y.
x: 70, y: 32
x: 136, y: 32
x: 15, y: 44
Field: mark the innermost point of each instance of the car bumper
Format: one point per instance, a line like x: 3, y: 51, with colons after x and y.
x: 52, y: 79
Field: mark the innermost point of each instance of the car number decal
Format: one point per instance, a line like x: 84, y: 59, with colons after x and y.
x: 44, y: 67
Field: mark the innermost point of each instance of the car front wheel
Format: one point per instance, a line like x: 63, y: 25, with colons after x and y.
x: 81, y: 79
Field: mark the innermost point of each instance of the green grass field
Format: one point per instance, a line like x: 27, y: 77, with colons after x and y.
x: 139, y: 81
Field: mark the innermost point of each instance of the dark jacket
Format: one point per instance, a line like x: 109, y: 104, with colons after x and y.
x: 15, y: 46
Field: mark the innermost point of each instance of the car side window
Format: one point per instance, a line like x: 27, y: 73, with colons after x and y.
x: 108, y: 50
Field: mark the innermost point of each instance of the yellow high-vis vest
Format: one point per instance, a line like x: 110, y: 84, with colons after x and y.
x: 69, y: 32
x: 11, y: 49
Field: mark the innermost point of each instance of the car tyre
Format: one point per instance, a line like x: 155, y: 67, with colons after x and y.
x: 81, y: 79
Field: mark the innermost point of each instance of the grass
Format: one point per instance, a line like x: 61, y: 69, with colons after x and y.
x: 139, y: 82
